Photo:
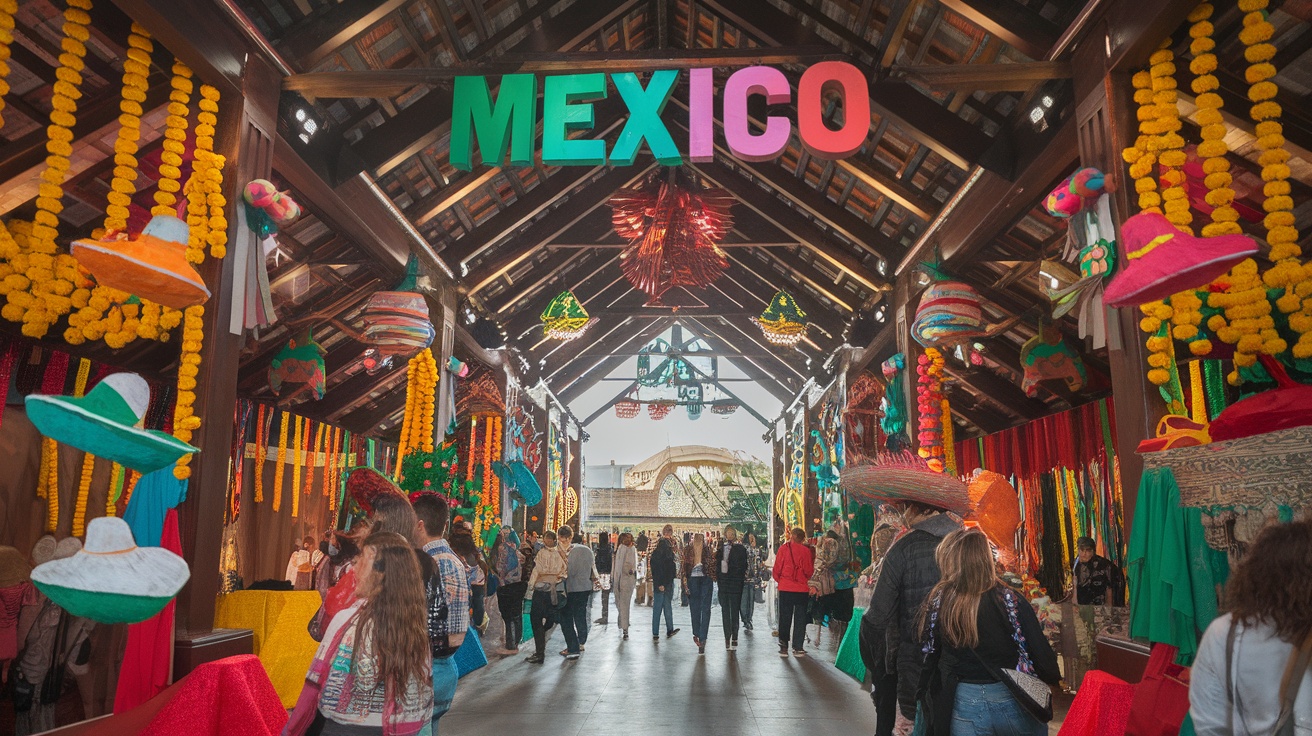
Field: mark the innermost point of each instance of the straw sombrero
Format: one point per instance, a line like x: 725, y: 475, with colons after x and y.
x: 365, y: 485
x: 13, y: 567
x: 996, y: 507
x: 903, y: 476
x: 106, y: 423
x: 153, y: 265
x: 1160, y: 260
x: 112, y: 580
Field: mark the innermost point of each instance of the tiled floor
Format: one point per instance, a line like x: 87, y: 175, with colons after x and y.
x: 619, y: 685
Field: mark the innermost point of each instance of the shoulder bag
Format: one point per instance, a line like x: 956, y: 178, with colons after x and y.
x: 1299, y: 660
x: 1033, y: 694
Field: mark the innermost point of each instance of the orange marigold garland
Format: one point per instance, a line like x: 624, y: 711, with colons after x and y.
x: 420, y: 395
x: 283, y: 421
x: 7, y: 10
x: 261, y: 451
x: 296, y: 469
x: 88, y: 460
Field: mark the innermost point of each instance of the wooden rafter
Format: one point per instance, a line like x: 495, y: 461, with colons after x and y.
x: 322, y: 34
x: 1013, y: 22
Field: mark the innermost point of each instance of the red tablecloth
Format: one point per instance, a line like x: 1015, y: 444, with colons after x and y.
x: 229, y: 697
x: 1101, y: 707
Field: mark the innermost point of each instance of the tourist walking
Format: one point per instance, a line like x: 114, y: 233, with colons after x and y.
x: 881, y: 661
x: 625, y: 579
x: 698, y: 578
x: 821, y: 583
x: 1251, y: 674
x: 580, y: 581
x: 509, y: 570
x: 753, y: 584
x: 906, y: 577
x: 975, y: 629
x: 604, y: 554
x: 447, y: 594
x: 792, y: 573
x: 661, y: 569
x: 731, y: 573
x: 371, y: 674
x: 548, y: 590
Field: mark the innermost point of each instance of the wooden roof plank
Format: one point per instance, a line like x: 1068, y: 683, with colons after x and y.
x: 320, y: 35
x: 1013, y: 22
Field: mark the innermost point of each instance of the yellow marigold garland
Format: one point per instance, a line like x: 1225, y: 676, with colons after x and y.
x: 949, y: 448
x: 216, y: 224
x: 48, y: 484
x: 40, y: 280
x: 1142, y: 157
x: 1213, y: 149
x: 296, y: 468
x: 88, y: 460
x: 175, y: 137
x: 283, y: 422
x: 420, y: 395
x: 7, y: 10
x: 185, y: 421
x: 1169, y: 142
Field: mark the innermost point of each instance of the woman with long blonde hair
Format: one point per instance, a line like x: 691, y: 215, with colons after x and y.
x: 373, y: 672
x: 983, y: 645
x: 699, y: 579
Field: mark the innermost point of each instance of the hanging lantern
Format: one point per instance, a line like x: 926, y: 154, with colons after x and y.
x: 673, y: 233
x: 659, y: 410
x: 724, y: 409
x: 627, y: 408
x: 565, y: 318
x: 397, y: 322
x: 783, y: 322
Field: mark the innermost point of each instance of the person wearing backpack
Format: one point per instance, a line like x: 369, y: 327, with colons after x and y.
x: 988, y: 668
x: 447, y: 593
x: 1252, y: 675
x: 793, y: 567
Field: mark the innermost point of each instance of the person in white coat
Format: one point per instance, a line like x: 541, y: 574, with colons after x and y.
x: 1252, y: 672
x: 625, y: 571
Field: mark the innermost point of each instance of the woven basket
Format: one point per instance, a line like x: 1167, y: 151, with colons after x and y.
x: 1249, y: 472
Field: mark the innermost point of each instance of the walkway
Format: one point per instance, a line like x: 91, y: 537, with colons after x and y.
x: 636, y: 687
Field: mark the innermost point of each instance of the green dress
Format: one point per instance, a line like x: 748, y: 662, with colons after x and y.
x: 1174, y: 575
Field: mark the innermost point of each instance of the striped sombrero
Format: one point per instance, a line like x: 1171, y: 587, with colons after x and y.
x: 903, y: 476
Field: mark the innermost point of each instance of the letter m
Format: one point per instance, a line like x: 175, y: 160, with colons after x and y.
x: 510, y: 122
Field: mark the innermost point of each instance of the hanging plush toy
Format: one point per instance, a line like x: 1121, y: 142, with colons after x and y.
x: 1090, y: 245
x: 1047, y: 357
x: 278, y: 208
x: 951, y: 314
x: 397, y: 322
x: 299, y: 361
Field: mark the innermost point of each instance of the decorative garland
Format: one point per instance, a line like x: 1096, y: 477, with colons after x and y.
x: 487, y: 511
x: 185, y: 421
x: 48, y: 485
x: 261, y: 449
x: 88, y: 460
x: 117, y: 479
x: 7, y: 10
x: 929, y: 402
x: 283, y: 424
x: 420, y: 395
x: 949, y: 448
x: 212, y: 184
x: 296, y: 468
x: 39, y: 280
x: 1213, y: 149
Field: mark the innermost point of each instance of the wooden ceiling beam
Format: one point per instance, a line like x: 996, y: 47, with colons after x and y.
x: 551, y: 274
x: 575, y: 381
x: 1008, y: 394
x: 571, y: 209
x: 1012, y: 21
x: 321, y: 34
x: 781, y: 385
x: 428, y: 119
x: 792, y: 222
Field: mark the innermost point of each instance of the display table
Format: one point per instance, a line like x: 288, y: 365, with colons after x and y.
x: 278, y: 620
x: 849, y: 649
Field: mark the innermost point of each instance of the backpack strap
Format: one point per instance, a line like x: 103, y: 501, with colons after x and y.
x: 1298, y: 663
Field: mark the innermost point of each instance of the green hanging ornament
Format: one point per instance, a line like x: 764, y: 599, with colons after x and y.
x: 783, y: 322
x: 565, y: 318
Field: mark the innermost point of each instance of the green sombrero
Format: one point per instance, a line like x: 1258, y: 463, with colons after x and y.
x: 112, y: 580
x: 106, y: 422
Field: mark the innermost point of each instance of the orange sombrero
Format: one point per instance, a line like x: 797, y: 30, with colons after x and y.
x: 1161, y: 260
x: 152, y: 265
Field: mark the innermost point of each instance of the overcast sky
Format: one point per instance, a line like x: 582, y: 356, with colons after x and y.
x: 629, y: 441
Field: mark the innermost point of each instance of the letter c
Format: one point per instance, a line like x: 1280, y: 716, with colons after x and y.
x: 742, y: 84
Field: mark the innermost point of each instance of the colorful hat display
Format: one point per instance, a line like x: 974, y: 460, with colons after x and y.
x: 106, y: 423
x: 1287, y: 406
x: 565, y: 318
x: 152, y: 265
x: 783, y: 322
x: 397, y: 321
x: 112, y: 580
x: 1160, y: 260
x: 1072, y: 195
x: 903, y: 476
x: 280, y: 208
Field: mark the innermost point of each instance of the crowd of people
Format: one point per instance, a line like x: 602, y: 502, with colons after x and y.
x: 948, y: 645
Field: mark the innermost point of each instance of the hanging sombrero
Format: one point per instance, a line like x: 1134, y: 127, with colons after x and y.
x: 112, y: 580
x: 152, y: 265
x: 106, y: 423
x: 1160, y: 260
x: 996, y: 507
x: 1287, y: 406
x: 903, y: 476
x: 518, y: 479
x: 366, y: 484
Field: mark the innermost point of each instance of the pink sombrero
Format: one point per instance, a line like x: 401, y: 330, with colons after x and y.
x: 904, y: 477
x: 1161, y: 260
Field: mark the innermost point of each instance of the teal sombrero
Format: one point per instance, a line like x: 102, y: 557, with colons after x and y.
x: 112, y: 580
x: 106, y: 422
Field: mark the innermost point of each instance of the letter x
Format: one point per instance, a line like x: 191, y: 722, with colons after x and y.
x: 645, y: 107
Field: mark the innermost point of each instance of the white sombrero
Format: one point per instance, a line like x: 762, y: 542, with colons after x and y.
x: 112, y: 580
x: 106, y: 423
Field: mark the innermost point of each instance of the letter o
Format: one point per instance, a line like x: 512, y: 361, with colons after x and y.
x: 818, y: 138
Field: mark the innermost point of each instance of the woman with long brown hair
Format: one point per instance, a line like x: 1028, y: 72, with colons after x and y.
x: 978, y: 635
x: 373, y: 673
x: 1251, y: 675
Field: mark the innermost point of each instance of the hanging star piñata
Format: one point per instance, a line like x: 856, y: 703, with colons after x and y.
x: 673, y: 232
x: 565, y: 318
x: 783, y: 322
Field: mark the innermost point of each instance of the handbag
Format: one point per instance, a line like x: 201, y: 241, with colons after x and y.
x: 306, y: 709
x: 1299, y: 660
x: 1033, y: 694
x: 470, y: 656
x: 1161, y: 699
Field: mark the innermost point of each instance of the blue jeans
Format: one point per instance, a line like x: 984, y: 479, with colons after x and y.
x: 662, y: 601
x: 699, y: 590
x: 445, y: 677
x: 984, y: 710
x: 748, y: 604
x: 574, y: 620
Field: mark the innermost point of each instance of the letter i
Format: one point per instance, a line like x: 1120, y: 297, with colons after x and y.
x: 701, y: 115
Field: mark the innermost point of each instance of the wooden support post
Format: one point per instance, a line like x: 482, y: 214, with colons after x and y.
x: 246, y: 129
x: 447, y: 335
x: 574, y: 470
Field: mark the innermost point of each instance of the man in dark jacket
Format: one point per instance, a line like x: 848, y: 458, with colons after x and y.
x: 662, y: 570
x: 731, y: 574
x: 889, y: 625
x: 1098, y: 581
